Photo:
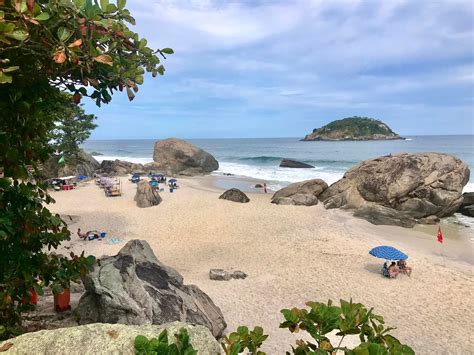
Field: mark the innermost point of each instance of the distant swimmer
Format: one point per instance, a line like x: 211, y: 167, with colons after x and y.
x: 265, y: 187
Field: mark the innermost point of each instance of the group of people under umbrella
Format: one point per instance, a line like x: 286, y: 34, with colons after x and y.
x: 396, y: 258
x: 155, y: 179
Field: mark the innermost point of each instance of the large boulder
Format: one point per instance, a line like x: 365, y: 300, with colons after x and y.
x: 288, y: 163
x: 175, y: 156
x: 467, y: 205
x: 235, y: 195
x: 420, y: 185
x: 377, y: 214
x: 103, y: 338
x: 303, y: 193
x: 80, y: 164
x: 119, y: 167
x: 146, y: 196
x: 133, y: 287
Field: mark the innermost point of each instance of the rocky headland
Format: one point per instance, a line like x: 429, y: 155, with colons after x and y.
x: 353, y: 129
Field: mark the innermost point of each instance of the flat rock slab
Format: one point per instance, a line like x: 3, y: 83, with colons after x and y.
x: 101, y: 338
x: 222, y: 275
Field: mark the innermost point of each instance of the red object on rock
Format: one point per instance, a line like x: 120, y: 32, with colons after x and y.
x: 440, y: 235
x: 62, y: 300
x: 33, y: 298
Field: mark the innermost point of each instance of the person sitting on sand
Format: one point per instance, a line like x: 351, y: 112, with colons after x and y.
x: 403, y: 267
x: 393, y: 270
x: 84, y: 236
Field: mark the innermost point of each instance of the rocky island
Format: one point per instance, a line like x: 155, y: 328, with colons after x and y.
x: 353, y: 129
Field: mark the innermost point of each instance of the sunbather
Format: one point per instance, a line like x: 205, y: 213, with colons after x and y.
x: 393, y: 270
x: 403, y: 267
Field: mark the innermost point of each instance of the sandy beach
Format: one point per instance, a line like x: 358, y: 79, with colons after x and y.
x: 292, y: 254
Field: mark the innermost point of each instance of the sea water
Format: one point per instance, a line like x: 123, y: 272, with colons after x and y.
x: 260, y: 158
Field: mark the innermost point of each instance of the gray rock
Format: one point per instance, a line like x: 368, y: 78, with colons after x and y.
x: 428, y: 220
x: 219, y: 275
x: 95, y: 154
x: 384, y: 215
x: 258, y: 186
x: 178, y: 157
x: 467, y: 210
x: 82, y: 164
x: 133, y: 287
x: 119, y: 167
x: 235, y: 195
x: 103, y: 338
x: 146, y: 196
x: 239, y: 275
x: 287, y: 163
x: 304, y: 193
x: 467, y: 199
x: 467, y: 205
x: 419, y: 185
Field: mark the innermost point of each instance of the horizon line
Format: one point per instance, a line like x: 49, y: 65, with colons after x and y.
x: 299, y: 138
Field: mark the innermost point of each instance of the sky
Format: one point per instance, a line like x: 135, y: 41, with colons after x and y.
x: 282, y: 68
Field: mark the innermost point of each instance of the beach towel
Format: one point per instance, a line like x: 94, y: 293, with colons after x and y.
x: 114, y: 240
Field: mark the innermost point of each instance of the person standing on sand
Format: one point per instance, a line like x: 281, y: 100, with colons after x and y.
x: 265, y: 187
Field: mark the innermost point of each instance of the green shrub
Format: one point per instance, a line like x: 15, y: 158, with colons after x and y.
x: 321, y: 319
x: 161, y: 346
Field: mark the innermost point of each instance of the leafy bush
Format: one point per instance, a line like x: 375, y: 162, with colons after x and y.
x: 48, y: 47
x: 161, y: 346
x: 243, y: 339
x: 321, y: 319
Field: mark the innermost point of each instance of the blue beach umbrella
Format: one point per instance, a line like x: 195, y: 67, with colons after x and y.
x: 172, y: 180
x: 388, y: 253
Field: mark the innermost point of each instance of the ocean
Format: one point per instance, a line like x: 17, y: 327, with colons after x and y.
x: 259, y: 158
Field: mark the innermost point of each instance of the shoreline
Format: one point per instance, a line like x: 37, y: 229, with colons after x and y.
x: 292, y: 254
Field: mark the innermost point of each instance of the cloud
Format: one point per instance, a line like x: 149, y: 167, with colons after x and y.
x: 308, y: 60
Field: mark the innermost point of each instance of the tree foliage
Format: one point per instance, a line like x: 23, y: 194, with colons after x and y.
x: 72, y: 127
x: 48, y: 47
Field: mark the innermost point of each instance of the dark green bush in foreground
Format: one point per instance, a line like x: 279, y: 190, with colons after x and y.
x: 319, y: 320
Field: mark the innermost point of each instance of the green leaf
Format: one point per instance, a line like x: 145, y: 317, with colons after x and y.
x: 19, y: 35
x: 42, y: 16
x: 64, y: 34
x: 163, y: 337
x: 80, y: 3
x: 104, y: 4
x: 167, y: 51
x: 10, y: 69
x: 2, y: 14
x: 121, y: 4
x: 5, y: 79
x: 141, y: 343
x: 111, y: 8
x: 139, y: 80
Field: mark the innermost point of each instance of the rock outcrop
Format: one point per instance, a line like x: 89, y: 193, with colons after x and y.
x: 133, y: 287
x: 178, y: 157
x: 119, y: 167
x: 467, y: 205
x: 146, y: 196
x: 235, y: 195
x: 287, y: 163
x: 103, y: 338
x: 82, y: 164
x: 377, y: 214
x: 419, y: 185
x: 304, y: 193
x: 353, y: 129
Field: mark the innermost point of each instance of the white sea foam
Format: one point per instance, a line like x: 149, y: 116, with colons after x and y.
x: 277, y: 177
